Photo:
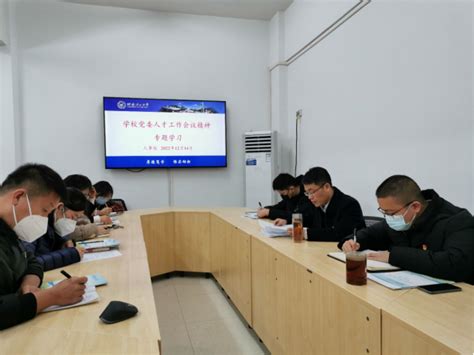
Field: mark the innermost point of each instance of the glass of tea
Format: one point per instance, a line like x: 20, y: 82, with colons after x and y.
x: 297, y: 219
x: 356, y: 268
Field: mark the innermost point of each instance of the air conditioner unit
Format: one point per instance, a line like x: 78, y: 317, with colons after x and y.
x: 259, y: 168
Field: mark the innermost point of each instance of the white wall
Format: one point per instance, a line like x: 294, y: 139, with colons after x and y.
x: 71, y: 55
x: 3, y: 22
x: 390, y: 92
x: 8, y: 128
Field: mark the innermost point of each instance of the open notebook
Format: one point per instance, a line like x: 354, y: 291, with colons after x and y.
x: 372, y: 265
x: 90, y: 296
x: 92, y: 280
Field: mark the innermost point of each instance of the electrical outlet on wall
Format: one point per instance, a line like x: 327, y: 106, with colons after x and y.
x: 299, y: 114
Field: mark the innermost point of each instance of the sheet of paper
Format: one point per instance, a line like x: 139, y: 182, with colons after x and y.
x: 270, y: 230
x: 100, y: 255
x: 398, y: 280
x: 251, y: 215
x: 90, y: 296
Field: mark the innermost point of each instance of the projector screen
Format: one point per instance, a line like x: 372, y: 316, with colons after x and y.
x: 158, y: 133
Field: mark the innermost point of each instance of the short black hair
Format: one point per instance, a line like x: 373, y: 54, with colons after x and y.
x: 37, y: 179
x: 75, y: 201
x: 103, y: 188
x: 78, y: 181
x: 318, y: 176
x: 401, y: 187
x: 284, y: 181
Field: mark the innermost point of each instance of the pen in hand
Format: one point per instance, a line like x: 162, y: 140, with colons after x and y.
x: 260, y: 204
x: 355, y: 236
x: 65, y: 274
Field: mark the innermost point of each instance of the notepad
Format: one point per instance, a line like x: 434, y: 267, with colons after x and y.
x: 372, y: 265
x: 100, y: 255
x: 270, y: 230
x: 399, y: 280
x: 99, y: 245
x: 92, y: 280
x: 90, y: 296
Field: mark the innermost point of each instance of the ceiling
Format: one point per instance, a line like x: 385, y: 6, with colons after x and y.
x: 248, y: 9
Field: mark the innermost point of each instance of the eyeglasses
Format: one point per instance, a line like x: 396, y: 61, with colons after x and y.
x: 307, y: 194
x: 385, y: 213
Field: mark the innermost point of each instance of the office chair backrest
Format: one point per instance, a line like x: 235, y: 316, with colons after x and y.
x: 370, y: 220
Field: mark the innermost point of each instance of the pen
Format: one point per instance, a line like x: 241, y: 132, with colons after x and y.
x: 65, y: 274
x: 260, y: 204
x: 355, y: 235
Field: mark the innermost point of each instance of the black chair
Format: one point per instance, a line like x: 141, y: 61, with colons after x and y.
x: 119, y: 202
x: 370, y: 220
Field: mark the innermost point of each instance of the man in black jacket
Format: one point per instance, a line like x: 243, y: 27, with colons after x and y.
x: 293, y: 200
x: 336, y: 214
x: 54, y: 250
x: 27, y: 196
x: 422, y: 232
x: 83, y: 183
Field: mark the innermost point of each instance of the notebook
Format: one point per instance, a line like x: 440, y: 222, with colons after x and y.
x: 90, y: 296
x: 99, y: 245
x: 92, y: 280
x: 372, y: 265
x: 404, y: 279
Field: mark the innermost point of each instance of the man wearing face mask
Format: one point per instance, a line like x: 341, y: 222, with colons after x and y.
x: 104, y: 192
x: 53, y: 250
x: 292, y: 201
x: 27, y: 196
x: 84, y: 184
x: 422, y: 232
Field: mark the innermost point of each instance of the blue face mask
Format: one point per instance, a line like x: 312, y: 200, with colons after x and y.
x: 397, y: 222
x: 101, y: 200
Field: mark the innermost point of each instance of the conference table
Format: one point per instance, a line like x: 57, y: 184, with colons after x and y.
x: 292, y: 294
x: 78, y: 330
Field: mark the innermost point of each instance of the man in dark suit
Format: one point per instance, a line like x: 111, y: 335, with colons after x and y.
x: 422, y: 232
x: 293, y: 200
x: 336, y: 214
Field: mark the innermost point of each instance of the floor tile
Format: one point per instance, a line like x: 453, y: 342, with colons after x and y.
x: 224, y: 336
x: 175, y: 341
x: 194, y: 285
x: 204, y: 307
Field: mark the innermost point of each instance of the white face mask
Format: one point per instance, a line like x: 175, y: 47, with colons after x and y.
x: 64, y: 226
x: 31, y: 227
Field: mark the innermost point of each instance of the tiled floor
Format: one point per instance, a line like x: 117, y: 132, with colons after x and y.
x: 195, y: 317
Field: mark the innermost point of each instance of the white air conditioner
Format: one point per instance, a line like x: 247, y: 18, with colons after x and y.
x: 259, y: 168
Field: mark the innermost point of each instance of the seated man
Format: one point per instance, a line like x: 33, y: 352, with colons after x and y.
x: 422, y: 232
x: 53, y: 250
x: 74, y: 209
x: 336, y: 214
x: 27, y: 196
x: 103, y: 203
x: 293, y: 200
x: 83, y: 184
